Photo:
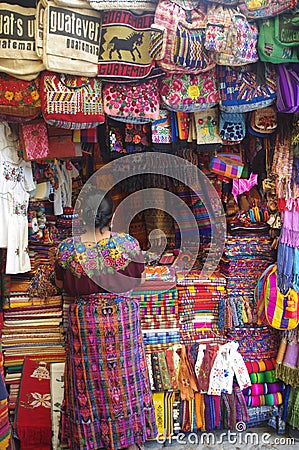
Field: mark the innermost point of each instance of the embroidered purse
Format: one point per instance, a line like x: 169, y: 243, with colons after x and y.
x: 207, y: 127
x: 19, y: 98
x: 190, y: 93
x: 263, y: 121
x: 34, y: 140
x: 70, y: 101
x: 132, y: 102
x: 232, y: 126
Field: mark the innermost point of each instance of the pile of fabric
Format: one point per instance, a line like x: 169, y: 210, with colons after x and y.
x: 32, y: 328
x: 159, y: 317
x: 258, y: 345
x: 245, y: 259
x: 201, y: 306
x: 158, y: 299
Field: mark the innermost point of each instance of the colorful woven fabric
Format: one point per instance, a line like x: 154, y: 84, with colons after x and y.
x: 33, y: 415
x: 287, y: 363
x: 264, y: 400
x: 261, y: 365
x: 107, y: 392
x: 255, y: 342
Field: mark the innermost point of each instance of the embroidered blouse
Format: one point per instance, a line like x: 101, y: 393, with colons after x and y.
x: 86, y: 266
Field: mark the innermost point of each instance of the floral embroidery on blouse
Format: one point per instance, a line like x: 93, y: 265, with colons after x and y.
x: 12, y: 173
x: 108, y: 255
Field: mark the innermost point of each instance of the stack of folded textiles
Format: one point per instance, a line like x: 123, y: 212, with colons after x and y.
x: 159, y: 317
x: 200, y: 306
x: 244, y: 260
x: 32, y: 327
x: 158, y: 299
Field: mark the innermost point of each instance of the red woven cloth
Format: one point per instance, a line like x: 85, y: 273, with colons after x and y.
x: 33, y: 413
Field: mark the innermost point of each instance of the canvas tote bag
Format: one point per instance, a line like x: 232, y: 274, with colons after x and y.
x: 18, y: 56
x: 71, y: 39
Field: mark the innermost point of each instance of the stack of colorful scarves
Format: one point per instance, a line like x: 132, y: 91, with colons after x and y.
x: 201, y: 306
x: 159, y: 318
x: 158, y: 299
x: 244, y: 260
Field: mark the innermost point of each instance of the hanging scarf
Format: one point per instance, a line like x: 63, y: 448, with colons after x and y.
x: 283, y: 159
x: 285, y: 261
x: 290, y: 228
x: 296, y: 270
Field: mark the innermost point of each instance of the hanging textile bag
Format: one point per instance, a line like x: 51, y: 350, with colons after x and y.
x: 230, y: 36
x: 132, y: 102
x: 61, y: 143
x: 18, y: 56
x: 34, y: 140
x: 19, y: 98
x: 130, y: 5
x: 263, y: 121
x: 207, y: 127
x: 225, y: 2
x: 227, y: 165
x: 288, y: 88
x: 246, y: 88
x: 281, y: 311
x: 124, y: 46
x: 70, y: 101
x: 71, y: 40
x: 178, y: 37
x: 232, y: 127
x: 279, y: 39
x: 188, y: 92
x: 260, y: 9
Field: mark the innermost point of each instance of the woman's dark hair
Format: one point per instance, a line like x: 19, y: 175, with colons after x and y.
x: 98, y: 216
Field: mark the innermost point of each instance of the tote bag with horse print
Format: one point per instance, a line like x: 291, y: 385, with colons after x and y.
x: 124, y: 48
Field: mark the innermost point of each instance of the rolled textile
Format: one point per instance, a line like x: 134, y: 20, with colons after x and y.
x: 261, y: 365
x: 264, y: 400
x: 263, y: 377
x: 264, y: 388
